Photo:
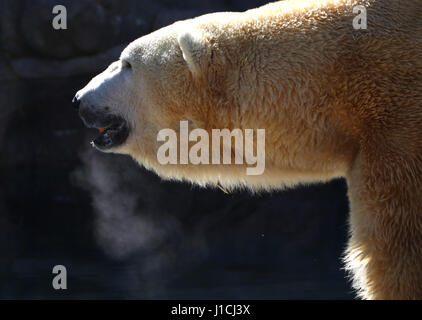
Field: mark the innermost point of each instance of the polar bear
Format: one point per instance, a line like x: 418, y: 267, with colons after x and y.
x: 334, y: 100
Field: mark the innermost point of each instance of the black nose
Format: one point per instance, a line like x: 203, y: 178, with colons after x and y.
x: 76, y: 102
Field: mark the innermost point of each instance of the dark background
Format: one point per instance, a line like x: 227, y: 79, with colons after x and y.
x: 121, y: 231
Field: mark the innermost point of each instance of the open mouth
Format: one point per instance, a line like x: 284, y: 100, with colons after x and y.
x: 111, y: 135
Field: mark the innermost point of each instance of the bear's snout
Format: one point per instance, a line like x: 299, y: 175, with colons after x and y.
x: 113, y: 129
x: 94, y: 117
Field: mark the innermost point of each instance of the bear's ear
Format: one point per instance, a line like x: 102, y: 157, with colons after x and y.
x: 194, y: 48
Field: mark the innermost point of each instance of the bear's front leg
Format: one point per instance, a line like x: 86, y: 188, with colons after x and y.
x: 384, y: 253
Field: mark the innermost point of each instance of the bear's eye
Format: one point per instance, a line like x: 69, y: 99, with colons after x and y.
x: 126, y: 64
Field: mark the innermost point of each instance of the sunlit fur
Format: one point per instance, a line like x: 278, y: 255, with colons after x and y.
x: 334, y: 101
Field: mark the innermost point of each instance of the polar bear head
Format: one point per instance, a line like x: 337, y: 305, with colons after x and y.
x: 149, y: 88
x: 142, y: 91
